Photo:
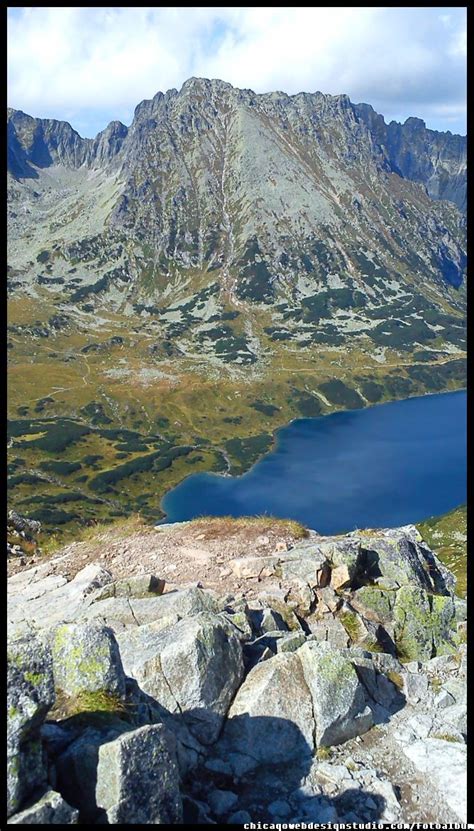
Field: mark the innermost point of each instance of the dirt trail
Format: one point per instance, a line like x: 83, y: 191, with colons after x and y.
x: 180, y: 553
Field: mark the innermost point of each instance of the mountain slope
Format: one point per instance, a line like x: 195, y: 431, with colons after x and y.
x: 286, y: 255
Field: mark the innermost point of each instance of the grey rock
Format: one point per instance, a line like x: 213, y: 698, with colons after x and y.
x: 328, y: 600
x: 455, y: 716
x: 319, y: 810
x: 138, y: 778
x: 142, y: 709
x: 57, y: 737
x: 301, y: 568
x: 266, y: 620
x: 239, y: 624
x: 460, y: 606
x: 30, y: 694
x: 47, y: 600
x: 439, y: 666
x: 443, y: 699
x: 254, y: 567
x: 141, y: 585
x: 423, y: 623
x: 339, y: 699
x: 343, y: 552
x: 284, y: 610
x: 264, y: 647
x: 400, y: 554
x: 350, y: 817
x: 86, y: 659
x: 444, y: 764
x: 378, y: 686
x: 457, y: 687
x: 27, y: 528
x: 195, y: 812
x: 290, y: 642
x: 132, y: 611
x: 419, y: 154
x: 386, y: 583
x: 371, y: 600
x: 193, y: 668
x: 301, y: 596
x: 271, y: 718
x: 388, y: 799
x: 329, y: 630
x: 221, y: 802
x: 415, y: 687
x: 50, y: 809
x: 77, y: 767
x: 218, y: 766
x: 416, y: 666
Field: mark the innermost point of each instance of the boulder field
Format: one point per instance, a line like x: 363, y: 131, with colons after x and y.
x: 330, y: 688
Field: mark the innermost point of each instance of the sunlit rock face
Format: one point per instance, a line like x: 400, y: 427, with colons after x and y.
x: 304, y: 200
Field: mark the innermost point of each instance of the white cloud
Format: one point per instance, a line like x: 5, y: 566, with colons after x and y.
x: 90, y: 65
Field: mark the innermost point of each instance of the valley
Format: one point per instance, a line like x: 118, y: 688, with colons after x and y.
x: 181, y: 288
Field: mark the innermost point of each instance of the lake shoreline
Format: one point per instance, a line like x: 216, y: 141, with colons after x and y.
x: 275, y: 445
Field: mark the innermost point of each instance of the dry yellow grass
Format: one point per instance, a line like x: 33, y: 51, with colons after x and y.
x: 212, y: 527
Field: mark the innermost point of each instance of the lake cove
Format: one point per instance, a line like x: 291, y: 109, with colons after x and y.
x: 382, y: 466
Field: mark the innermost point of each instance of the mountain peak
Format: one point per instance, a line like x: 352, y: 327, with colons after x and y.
x: 417, y: 123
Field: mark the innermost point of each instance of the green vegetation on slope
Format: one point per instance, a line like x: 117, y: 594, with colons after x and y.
x: 447, y: 536
x: 102, y: 424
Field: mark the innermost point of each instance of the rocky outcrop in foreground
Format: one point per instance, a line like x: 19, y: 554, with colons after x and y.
x: 334, y: 694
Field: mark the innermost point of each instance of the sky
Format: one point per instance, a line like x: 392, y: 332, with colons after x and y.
x: 90, y: 66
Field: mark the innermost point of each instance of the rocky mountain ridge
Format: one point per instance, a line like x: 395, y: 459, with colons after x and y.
x: 47, y: 141
x: 330, y: 688
x: 180, y: 288
x: 259, y: 188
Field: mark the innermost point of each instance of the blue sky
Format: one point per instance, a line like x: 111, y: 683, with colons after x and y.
x: 90, y: 66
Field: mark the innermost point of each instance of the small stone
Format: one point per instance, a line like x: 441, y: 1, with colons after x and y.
x: 195, y: 812
x: 290, y: 642
x: 221, y: 802
x: 51, y: 809
x: 138, y: 586
x: 218, y: 766
x: 415, y: 686
x: 247, y: 567
x: 350, y: 763
x: 444, y: 699
x: 340, y: 577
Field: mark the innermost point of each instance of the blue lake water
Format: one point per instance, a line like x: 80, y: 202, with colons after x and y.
x: 382, y: 466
